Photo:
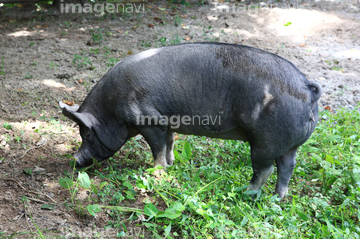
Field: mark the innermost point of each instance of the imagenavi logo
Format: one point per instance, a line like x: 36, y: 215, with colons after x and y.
x: 100, y: 8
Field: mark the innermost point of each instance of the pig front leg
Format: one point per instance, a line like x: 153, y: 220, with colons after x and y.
x: 157, y: 140
x: 285, y: 167
x: 160, y: 157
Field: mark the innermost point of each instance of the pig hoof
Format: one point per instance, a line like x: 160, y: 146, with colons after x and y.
x: 81, y: 164
x: 282, y: 192
x: 169, y: 163
x: 170, y: 160
x: 159, y: 172
x: 253, y: 195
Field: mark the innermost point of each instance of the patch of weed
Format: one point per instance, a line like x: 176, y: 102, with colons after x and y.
x: 28, y: 76
x: 175, y: 40
x: 178, y: 20
x: 81, y: 62
x: 2, y: 66
x: 7, y: 126
x: 146, y: 44
x: 97, y: 36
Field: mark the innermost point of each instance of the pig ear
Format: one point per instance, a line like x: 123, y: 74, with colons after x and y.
x: 68, y: 107
x: 85, y: 119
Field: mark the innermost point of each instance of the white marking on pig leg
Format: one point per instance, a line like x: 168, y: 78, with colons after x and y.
x: 261, y: 178
x: 267, y: 96
x: 171, y: 155
x: 160, y: 161
x: 161, y: 158
x: 282, y: 191
x: 170, y: 149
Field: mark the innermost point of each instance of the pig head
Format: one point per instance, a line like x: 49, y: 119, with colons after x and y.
x: 102, y: 136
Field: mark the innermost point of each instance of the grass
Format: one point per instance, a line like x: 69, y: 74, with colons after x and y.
x: 97, y: 36
x: 203, y: 195
x: 2, y: 66
x: 82, y: 62
x: 28, y: 76
x: 335, y: 65
x: 7, y: 126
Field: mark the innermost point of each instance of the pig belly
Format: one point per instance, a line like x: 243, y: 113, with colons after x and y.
x: 234, y: 134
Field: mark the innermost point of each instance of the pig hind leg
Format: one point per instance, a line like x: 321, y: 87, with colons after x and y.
x: 156, y: 138
x: 285, y: 167
x: 262, y: 169
x: 170, y: 148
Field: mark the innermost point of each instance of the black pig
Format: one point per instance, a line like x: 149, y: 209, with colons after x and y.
x: 210, y: 89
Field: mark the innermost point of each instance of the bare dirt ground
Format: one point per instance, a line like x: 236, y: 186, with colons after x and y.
x: 46, y: 57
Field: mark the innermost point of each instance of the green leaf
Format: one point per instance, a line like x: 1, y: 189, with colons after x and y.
x: 309, y: 149
x: 140, y: 184
x: 346, y: 202
x: 92, y: 209
x: 302, y: 215
x: 287, y: 24
x: 152, y: 226
x: 244, y: 221
x: 176, y: 153
x: 27, y: 171
x: 121, y: 234
x: 152, y: 170
x: 185, y: 176
x: 146, y: 200
x: 167, y: 230
x: 96, y: 163
x: 356, y: 158
x: 200, y: 211
x: 128, y: 185
x: 332, y: 180
x: 138, y: 137
x: 316, y: 157
x: 178, y: 206
x: 329, y: 159
x: 170, y: 213
x: 65, y: 182
x: 251, y: 192
x: 94, y: 188
x: 130, y: 195
x: 103, y: 184
x: 48, y: 206
x: 84, y: 180
x: 150, y: 210
x: 239, y: 189
x: 72, y: 163
x: 186, y: 153
x: 331, y: 137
